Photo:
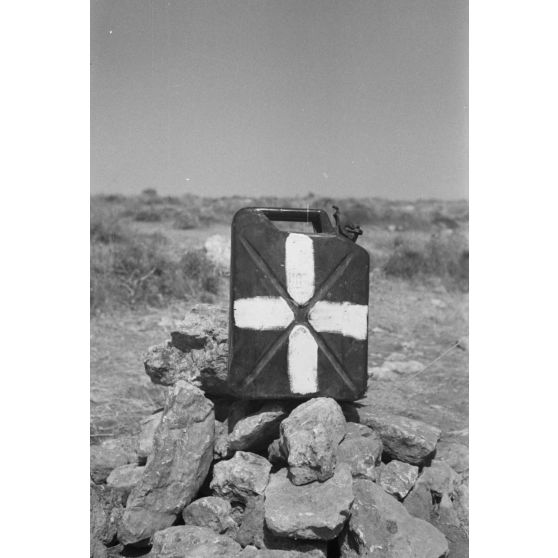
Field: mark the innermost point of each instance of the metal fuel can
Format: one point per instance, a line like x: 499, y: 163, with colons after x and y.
x: 298, y: 308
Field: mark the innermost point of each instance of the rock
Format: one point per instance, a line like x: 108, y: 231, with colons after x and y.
x: 397, y: 478
x: 440, y: 478
x: 456, y: 455
x: 182, y: 454
x: 445, y: 513
x: 463, y: 343
x: 419, y: 502
x: 105, y: 507
x: 97, y: 549
x: 218, y: 250
x: 205, y: 368
x: 361, y: 449
x: 238, y: 479
x: 191, y: 541
x: 250, y: 519
x: 356, y: 430
x: 111, y: 453
x: 461, y: 505
x: 301, y: 551
x: 147, y: 433
x: 310, y: 437
x: 125, y: 477
x: 240, y: 409
x: 275, y: 454
x: 204, y: 325
x: 458, y: 541
x: 221, y: 445
x: 315, y: 511
x: 256, y: 431
x: 380, y: 526
x: 282, y: 546
x: 404, y: 439
x: 221, y: 407
x: 351, y: 411
x: 211, y: 512
x: 242, y: 480
x: 250, y: 552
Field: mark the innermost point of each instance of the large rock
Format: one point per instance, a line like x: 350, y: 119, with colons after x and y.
x: 202, y: 326
x: 380, y: 526
x: 97, y: 549
x: 111, y: 453
x: 197, y: 352
x: 205, y: 368
x: 315, y: 511
x: 221, y: 445
x: 404, y: 439
x: 397, y: 478
x: 361, y: 449
x: 300, y: 551
x: 257, y: 430
x: 242, y: 480
x: 306, y: 549
x: 239, y: 409
x: 182, y: 454
x: 440, y: 478
x: 419, y: 502
x: 275, y: 453
x: 456, y: 455
x: 445, y: 513
x: 190, y: 541
x: 461, y: 505
x: 310, y: 437
x: 147, y: 433
x: 125, y: 477
x: 244, y: 476
x: 357, y: 430
x: 211, y: 512
x: 250, y: 518
x: 106, y: 507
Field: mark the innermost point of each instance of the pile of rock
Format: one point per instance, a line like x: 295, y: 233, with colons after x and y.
x: 208, y: 476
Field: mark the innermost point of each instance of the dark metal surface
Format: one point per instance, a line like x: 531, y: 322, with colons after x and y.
x: 258, y: 360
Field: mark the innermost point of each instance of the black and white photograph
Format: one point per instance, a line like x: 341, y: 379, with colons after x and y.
x: 236, y: 285
x: 279, y: 278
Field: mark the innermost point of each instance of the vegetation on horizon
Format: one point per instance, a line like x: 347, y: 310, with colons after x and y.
x: 129, y: 267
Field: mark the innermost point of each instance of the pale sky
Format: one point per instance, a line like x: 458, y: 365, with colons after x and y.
x: 280, y: 97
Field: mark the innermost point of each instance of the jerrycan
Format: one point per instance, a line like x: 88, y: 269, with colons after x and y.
x: 298, y: 308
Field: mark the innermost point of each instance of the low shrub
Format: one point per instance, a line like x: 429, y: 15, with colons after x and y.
x: 186, y: 220
x: 200, y: 270
x: 136, y: 269
x: 443, y: 256
x: 148, y: 215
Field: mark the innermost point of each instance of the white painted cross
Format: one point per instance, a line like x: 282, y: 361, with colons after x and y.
x: 264, y: 313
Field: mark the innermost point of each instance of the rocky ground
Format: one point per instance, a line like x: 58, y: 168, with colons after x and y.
x: 179, y: 469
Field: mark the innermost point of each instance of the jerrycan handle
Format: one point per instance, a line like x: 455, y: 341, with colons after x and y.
x: 318, y: 217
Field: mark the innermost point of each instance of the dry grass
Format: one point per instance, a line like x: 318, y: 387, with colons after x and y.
x: 131, y: 269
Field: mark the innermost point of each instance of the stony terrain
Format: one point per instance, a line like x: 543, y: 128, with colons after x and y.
x: 210, y: 476
x: 179, y: 469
